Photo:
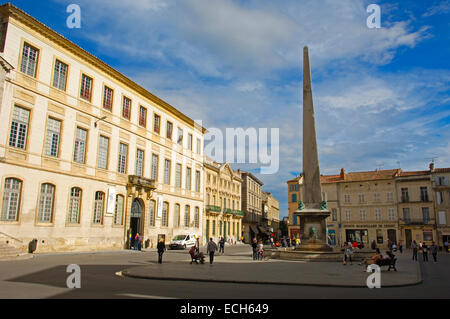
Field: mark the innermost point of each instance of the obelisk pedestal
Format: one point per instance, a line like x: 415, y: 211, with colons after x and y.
x: 313, y: 210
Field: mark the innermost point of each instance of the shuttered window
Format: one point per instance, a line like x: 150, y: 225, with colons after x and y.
x: 118, y: 213
x: 52, y: 138
x: 60, y: 75
x: 98, y: 208
x: 80, y: 146
x: 74, y: 206
x: 46, y: 200
x: 29, y: 60
x: 19, y: 127
x: 11, y: 199
x: 103, y: 148
x: 123, y: 153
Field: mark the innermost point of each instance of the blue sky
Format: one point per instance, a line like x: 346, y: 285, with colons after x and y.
x: 381, y: 96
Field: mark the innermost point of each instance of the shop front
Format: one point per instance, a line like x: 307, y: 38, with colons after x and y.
x: 366, y: 233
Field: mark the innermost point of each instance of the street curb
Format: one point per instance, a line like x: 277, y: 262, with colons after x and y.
x: 127, y: 273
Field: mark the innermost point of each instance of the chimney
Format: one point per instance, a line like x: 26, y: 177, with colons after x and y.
x: 432, y: 166
x: 342, y: 175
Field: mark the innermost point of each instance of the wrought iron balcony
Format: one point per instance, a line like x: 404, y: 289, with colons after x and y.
x: 213, y: 208
x: 238, y: 213
x: 228, y: 211
x: 417, y: 221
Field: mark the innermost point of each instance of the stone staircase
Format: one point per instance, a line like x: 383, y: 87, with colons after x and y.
x: 9, y: 252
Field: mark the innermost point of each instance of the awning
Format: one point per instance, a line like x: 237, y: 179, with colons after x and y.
x: 254, y: 229
x: 262, y: 229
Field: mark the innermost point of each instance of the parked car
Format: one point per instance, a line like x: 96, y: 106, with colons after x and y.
x: 183, y: 241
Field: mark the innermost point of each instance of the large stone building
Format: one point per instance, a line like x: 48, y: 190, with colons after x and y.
x: 87, y: 156
x: 441, y: 187
x: 271, y: 212
x: 223, y: 214
x: 253, y: 224
x: 378, y: 205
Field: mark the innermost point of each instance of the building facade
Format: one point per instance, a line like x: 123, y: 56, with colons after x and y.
x: 377, y: 205
x: 440, y: 178
x: 415, y: 207
x: 271, y: 213
x: 88, y: 158
x: 223, y: 214
x: 251, y: 194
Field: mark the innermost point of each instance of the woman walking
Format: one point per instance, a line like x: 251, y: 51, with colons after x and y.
x: 161, y: 249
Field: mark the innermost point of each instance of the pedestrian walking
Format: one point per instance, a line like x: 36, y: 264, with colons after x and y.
x: 137, y: 240
x: 434, y: 250
x: 211, y: 249
x: 373, y: 245
x: 260, y: 250
x: 425, y: 252
x: 400, y: 247
x: 414, y: 249
x: 255, y: 249
x: 446, y: 246
x: 348, y: 252
x: 297, y: 242
x: 222, y: 245
x: 161, y: 249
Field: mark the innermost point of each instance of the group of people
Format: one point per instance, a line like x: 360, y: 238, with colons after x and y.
x: 424, y: 249
x: 258, y: 249
x: 288, y: 242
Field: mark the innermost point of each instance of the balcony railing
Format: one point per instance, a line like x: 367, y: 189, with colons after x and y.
x: 417, y: 221
x: 238, y: 213
x: 228, y: 211
x: 405, y: 199
x: 213, y: 208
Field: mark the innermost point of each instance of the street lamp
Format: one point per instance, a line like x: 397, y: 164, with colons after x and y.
x: 100, y: 119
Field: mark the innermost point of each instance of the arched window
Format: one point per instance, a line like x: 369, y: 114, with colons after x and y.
x: 165, y: 215
x: 197, y: 217
x: 98, y: 208
x: 11, y: 199
x: 176, y: 216
x: 151, y: 213
x: 46, y: 201
x: 187, y: 215
x: 118, y: 214
x: 74, y: 205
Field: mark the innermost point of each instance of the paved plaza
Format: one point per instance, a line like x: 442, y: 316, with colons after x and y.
x: 233, y: 275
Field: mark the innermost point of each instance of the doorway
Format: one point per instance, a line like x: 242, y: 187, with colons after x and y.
x: 137, y: 207
x: 408, y: 238
x: 392, y: 235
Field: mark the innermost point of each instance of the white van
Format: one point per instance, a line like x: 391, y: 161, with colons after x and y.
x: 183, y: 241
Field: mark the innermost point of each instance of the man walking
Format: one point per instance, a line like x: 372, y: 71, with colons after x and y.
x: 255, y: 249
x: 414, y: 248
x: 222, y: 245
x: 425, y: 252
x: 434, y: 249
x: 211, y: 249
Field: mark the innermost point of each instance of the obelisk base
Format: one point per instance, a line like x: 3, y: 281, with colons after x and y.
x: 313, y: 229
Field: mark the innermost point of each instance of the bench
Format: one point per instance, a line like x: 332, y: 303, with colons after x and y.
x: 390, y: 263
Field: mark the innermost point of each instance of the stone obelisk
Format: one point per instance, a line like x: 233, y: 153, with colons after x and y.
x: 312, y: 211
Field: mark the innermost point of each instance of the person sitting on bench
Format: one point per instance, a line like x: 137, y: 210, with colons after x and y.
x: 372, y: 260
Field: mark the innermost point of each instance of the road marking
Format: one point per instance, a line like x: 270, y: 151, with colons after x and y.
x: 145, y: 296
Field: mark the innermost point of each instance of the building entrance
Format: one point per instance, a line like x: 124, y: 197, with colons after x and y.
x: 408, y: 238
x: 137, y: 207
